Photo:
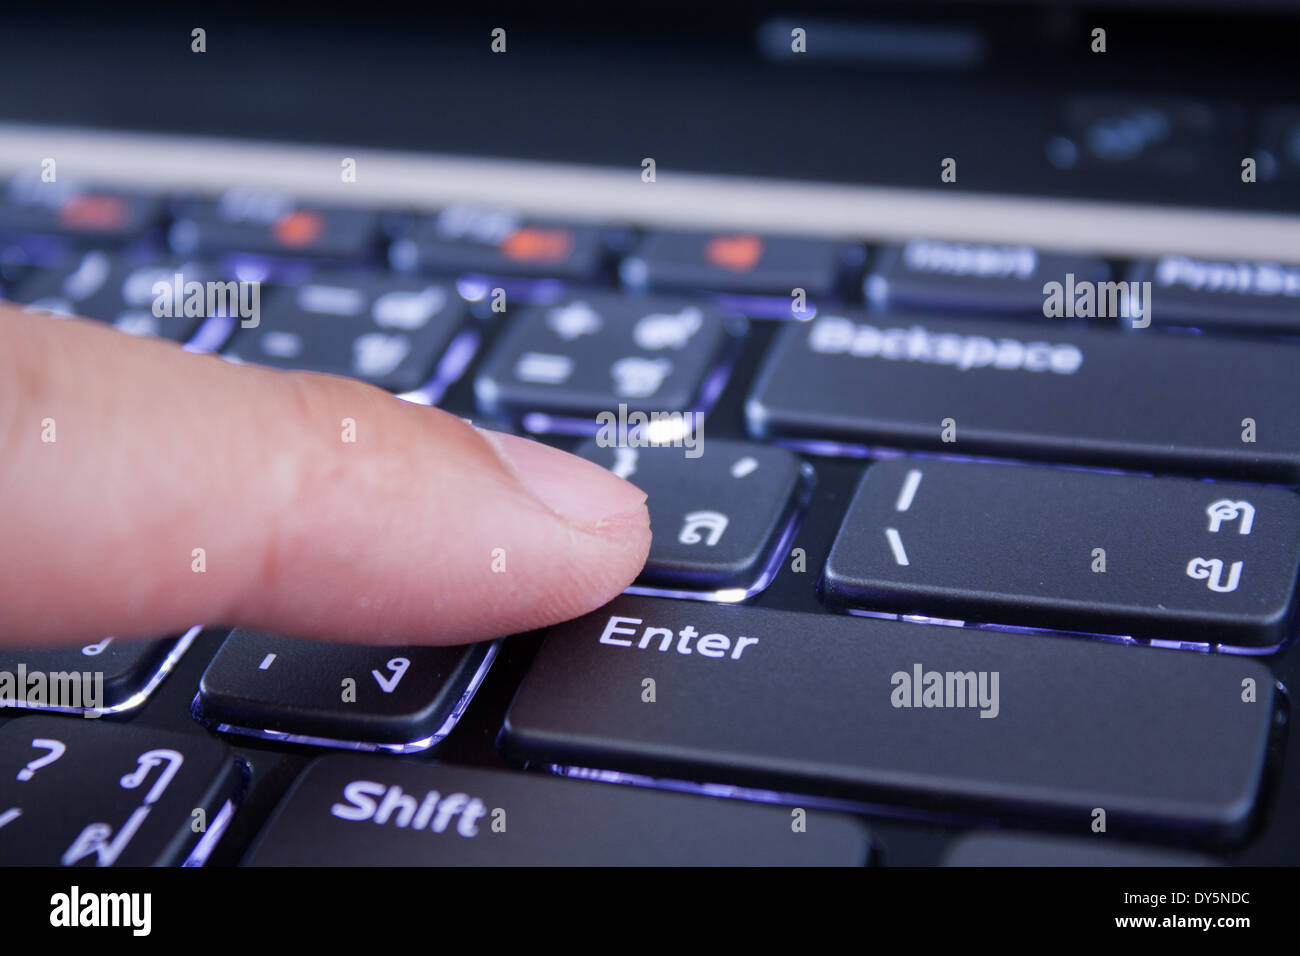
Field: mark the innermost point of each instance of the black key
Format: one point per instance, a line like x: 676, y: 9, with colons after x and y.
x: 719, y: 518
x: 1071, y: 550
x: 403, y: 698
x: 70, y: 209
x: 272, y: 223
x: 1024, y: 849
x: 357, y: 811
x: 85, y: 284
x: 593, y: 353
x: 474, y: 239
x: 1227, y: 295
x: 389, y: 331
x: 90, y: 793
x: 742, y: 263
x: 119, y: 675
x: 1138, y: 400
x: 169, y: 300
x: 925, y: 274
x: 816, y: 703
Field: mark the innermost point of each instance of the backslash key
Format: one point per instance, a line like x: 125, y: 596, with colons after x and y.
x: 1164, y: 558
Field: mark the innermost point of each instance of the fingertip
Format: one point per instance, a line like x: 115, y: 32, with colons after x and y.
x: 576, y: 489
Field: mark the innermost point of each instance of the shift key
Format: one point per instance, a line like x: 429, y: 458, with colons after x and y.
x: 945, y: 718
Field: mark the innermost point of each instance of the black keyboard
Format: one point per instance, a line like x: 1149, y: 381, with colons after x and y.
x: 940, y: 579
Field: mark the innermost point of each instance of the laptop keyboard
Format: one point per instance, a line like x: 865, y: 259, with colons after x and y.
x: 942, y: 580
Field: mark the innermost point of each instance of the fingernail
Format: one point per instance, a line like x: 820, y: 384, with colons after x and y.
x: 581, y: 492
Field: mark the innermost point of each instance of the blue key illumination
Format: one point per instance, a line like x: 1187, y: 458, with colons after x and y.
x: 165, y: 667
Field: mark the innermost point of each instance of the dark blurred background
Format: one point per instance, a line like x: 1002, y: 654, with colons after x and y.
x: 1012, y: 90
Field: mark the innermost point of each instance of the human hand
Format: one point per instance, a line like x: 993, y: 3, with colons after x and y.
x: 144, y: 489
